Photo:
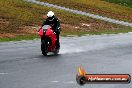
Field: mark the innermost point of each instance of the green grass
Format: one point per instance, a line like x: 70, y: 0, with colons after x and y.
x: 127, y: 3
x: 97, y: 7
x: 17, y: 13
x: 31, y: 37
x: 18, y: 38
x: 126, y: 30
x: 20, y: 13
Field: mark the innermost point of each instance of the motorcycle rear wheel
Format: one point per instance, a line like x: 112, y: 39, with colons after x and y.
x: 56, y: 52
x: 44, y: 53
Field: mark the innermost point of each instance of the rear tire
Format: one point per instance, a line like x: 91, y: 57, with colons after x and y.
x: 57, y: 48
x: 56, y: 52
x: 44, y: 53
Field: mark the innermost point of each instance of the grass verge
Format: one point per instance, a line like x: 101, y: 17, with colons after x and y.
x: 18, y: 20
x: 99, y: 7
x: 18, y: 38
x: 127, y: 3
x: 99, y: 33
x: 31, y: 37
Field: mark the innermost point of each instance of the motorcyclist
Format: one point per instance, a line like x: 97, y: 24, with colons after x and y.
x: 55, y: 23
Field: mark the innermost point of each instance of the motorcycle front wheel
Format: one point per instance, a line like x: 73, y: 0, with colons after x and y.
x: 43, y: 48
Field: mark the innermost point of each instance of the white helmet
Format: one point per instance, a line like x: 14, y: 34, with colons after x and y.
x: 50, y: 14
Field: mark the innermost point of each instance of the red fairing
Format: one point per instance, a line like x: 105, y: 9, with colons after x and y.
x: 40, y: 32
x: 51, y: 34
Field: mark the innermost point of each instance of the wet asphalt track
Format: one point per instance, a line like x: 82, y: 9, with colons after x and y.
x: 23, y: 66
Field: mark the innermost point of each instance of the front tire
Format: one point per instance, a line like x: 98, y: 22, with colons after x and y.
x: 43, y: 47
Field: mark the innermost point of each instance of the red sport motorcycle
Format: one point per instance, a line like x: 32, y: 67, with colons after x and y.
x: 48, y: 40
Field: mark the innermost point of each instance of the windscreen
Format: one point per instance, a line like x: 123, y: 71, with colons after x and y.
x: 45, y: 27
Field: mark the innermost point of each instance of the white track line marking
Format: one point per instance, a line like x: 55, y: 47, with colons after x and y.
x: 111, y: 20
x: 2, y: 73
x: 55, y: 81
x: 69, y: 82
x: 64, y: 82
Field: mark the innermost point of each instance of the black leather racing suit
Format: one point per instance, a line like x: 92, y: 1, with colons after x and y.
x: 55, y: 23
